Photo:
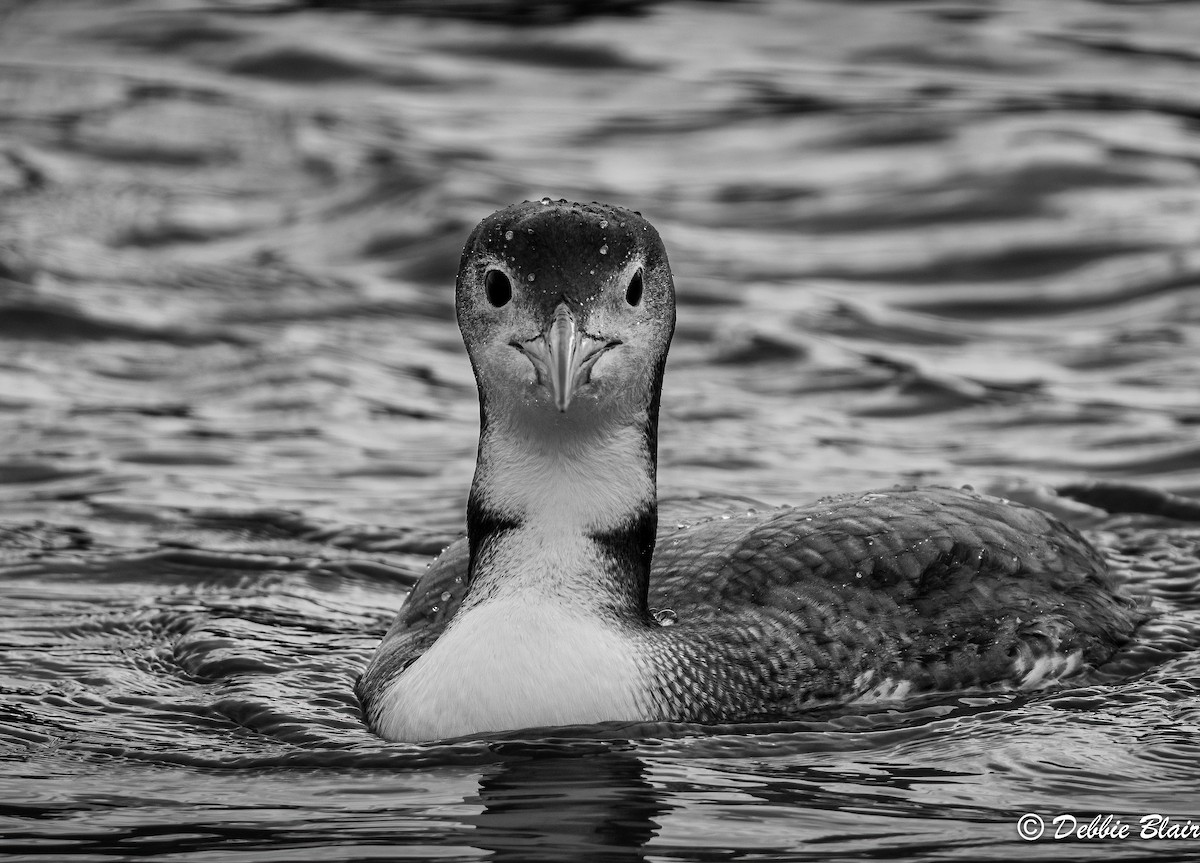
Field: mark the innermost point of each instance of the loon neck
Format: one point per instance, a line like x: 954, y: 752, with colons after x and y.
x: 563, y: 511
x: 551, y: 629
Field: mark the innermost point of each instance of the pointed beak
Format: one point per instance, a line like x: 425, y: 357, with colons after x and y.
x: 563, y: 355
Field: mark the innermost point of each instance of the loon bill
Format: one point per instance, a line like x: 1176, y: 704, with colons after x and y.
x: 544, y: 614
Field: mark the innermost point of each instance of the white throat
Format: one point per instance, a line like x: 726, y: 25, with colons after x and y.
x: 566, y: 484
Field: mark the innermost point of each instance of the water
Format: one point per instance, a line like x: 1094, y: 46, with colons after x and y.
x: 927, y: 241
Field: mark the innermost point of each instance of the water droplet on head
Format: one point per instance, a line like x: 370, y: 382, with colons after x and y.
x: 545, y: 201
x: 446, y: 595
x: 530, y: 277
x: 665, y: 617
x: 604, y: 223
x: 508, y: 235
x: 604, y: 249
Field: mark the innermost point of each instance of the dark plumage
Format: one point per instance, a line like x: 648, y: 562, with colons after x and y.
x: 946, y: 589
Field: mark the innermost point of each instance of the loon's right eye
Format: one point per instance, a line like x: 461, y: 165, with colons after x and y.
x: 498, y: 287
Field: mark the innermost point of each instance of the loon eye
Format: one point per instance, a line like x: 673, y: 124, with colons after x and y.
x: 499, y: 288
x: 633, y: 294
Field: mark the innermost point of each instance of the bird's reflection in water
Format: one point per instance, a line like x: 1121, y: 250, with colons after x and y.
x: 600, y: 807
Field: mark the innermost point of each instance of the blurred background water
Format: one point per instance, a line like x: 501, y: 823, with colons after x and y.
x: 932, y: 241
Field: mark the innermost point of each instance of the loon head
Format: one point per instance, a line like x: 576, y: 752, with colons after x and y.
x: 567, y: 312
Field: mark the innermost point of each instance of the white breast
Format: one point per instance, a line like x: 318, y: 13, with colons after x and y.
x: 514, y: 663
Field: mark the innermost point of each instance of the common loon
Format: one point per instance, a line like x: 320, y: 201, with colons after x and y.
x: 567, y: 603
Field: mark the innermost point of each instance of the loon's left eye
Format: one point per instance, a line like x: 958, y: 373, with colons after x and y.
x: 633, y: 294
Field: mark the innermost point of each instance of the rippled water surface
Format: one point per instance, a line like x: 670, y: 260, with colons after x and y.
x: 952, y: 242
